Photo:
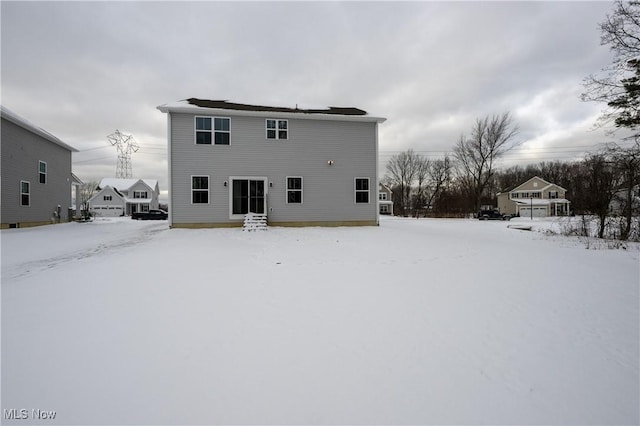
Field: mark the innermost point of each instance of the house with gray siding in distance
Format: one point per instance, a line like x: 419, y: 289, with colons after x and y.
x: 298, y: 167
x: 385, y: 199
x: 36, y: 174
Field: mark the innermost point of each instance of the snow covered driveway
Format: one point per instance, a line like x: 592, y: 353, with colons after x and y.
x: 415, y: 321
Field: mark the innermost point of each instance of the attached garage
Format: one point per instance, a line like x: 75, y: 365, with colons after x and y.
x: 537, y: 211
x: 107, y: 211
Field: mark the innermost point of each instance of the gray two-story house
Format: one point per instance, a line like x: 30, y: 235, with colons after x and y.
x: 299, y: 167
x: 36, y: 174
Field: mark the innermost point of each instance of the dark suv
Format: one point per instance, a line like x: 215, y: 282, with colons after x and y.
x: 492, y: 215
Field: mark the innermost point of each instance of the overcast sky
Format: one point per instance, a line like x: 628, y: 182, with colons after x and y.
x: 81, y: 70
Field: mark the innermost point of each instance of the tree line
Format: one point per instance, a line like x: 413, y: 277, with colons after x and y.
x: 460, y: 184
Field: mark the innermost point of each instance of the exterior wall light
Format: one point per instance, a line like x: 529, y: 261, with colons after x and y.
x: 330, y: 162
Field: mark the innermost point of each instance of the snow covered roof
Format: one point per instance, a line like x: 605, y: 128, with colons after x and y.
x: 125, y: 184
x: 103, y: 189
x: 11, y: 116
x: 76, y: 180
x: 515, y: 188
x: 137, y: 200
x: 540, y: 201
x: 202, y: 105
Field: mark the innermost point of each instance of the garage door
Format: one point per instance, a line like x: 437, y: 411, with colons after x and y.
x: 537, y: 212
x: 107, y: 211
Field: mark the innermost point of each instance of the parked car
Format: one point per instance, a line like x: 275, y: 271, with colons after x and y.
x: 492, y: 215
x: 150, y: 215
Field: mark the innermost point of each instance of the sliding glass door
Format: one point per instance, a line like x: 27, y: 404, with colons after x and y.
x: 248, y: 196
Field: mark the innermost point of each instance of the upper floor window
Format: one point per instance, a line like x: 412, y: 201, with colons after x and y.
x: 25, y: 193
x: 107, y: 198
x: 382, y: 196
x: 42, y: 171
x: 200, y: 189
x: 213, y: 130
x: 139, y: 194
x: 294, y: 190
x: 362, y: 190
x: 277, y: 129
x: 553, y: 194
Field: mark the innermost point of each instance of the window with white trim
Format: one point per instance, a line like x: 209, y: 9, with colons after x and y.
x: 382, y: 196
x: 213, y: 130
x: 25, y: 193
x: 42, y: 171
x: 277, y: 129
x: 139, y: 194
x: 200, y: 189
x: 294, y: 190
x: 362, y: 190
x: 107, y: 198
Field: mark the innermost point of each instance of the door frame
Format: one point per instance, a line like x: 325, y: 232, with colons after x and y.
x: 230, y: 191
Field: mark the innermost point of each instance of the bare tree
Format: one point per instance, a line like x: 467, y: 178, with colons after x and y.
x: 626, y: 161
x: 85, y: 193
x: 600, y: 180
x: 476, y: 156
x: 439, y: 177
x: 422, y: 165
x: 402, y: 170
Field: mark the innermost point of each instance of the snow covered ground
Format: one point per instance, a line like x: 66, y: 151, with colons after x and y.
x: 413, y: 322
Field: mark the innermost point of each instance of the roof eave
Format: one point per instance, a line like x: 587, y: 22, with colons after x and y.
x: 193, y: 109
x: 11, y: 116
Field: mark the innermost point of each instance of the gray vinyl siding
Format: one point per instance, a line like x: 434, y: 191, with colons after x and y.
x: 328, y: 190
x: 20, y: 153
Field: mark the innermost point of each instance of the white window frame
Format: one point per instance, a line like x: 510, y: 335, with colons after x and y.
x: 277, y: 129
x: 356, y: 190
x: 382, y: 196
x: 28, y: 193
x: 201, y: 190
x: 301, y: 190
x: 196, y: 130
x: 107, y: 198
x: 213, y: 130
x: 41, y: 173
x: 221, y: 131
x: 230, y: 190
x: 138, y: 194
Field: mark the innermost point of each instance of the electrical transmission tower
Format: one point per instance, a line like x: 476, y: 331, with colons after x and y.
x: 125, y: 144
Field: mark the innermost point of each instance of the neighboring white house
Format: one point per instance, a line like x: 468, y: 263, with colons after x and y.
x: 121, y: 197
x: 36, y: 181
x: 385, y: 199
x: 535, y: 197
x: 298, y: 167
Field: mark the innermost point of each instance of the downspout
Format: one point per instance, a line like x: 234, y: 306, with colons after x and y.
x: 377, y: 183
x: 169, y: 189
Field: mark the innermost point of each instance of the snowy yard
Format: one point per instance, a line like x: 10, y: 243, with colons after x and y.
x: 413, y: 322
